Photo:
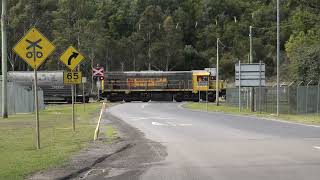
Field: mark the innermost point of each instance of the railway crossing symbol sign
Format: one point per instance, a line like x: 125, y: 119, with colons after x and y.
x: 34, y: 48
x: 98, y: 72
x: 71, y: 58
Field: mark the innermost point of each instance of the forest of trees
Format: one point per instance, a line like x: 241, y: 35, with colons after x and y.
x: 173, y: 34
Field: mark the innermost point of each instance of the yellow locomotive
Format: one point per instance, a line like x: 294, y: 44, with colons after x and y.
x: 161, y: 86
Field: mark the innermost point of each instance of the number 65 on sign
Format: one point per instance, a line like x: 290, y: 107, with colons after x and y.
x: 72, y: 77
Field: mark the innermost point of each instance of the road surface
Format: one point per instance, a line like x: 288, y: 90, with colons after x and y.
x: 191, y: 145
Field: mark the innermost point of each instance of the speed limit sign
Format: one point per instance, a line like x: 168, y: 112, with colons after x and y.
x: 72, y: 77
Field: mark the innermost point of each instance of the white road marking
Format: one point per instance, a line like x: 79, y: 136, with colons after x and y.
x: 172, y: 124
x: 317, y: 147
x: 158, y: 124
x: 147, y: 118
x: 169, y: 124
x: 144, y: 105
x: 162, y: 118
x: 181, y: 104
x: 185, y: 124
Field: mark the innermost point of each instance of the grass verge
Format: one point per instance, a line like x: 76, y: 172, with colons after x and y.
x: 111, y: 133
x: 18, y: 154
x: 311, y: 119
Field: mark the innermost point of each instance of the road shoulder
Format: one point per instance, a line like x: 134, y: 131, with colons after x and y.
x: 104, y: 155
x: 263, y: 116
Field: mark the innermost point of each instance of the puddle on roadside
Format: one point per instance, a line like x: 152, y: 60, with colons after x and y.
x: 92, y: 172
x: 113, y: 172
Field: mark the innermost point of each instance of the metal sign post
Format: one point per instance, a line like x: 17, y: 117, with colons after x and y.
x: 84, y: 80
x: 207, y: 100
x: 73, y: 114
x: 73, y: 78
x: 318, y: 94
x: 36, y: 103
x: 83, y: 98
x: 307, y: 96
x: 34, y: 48
x: 98, y: 87
x: 239, y: 86
x: 72, y: 58
x: 260, y: 83
x: 36, y: 106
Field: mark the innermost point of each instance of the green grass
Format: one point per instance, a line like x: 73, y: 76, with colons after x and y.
x: 306, y: 119
x: 18, y: 154
x: 111, y: 133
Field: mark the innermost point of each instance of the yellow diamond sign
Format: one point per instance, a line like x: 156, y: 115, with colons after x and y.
x: 71, y: 58
x: 34, y: 48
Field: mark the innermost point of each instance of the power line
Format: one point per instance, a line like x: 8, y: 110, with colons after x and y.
x: 197, y: 24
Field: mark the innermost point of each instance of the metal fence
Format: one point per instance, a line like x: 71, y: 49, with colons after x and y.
x: 293, y: 99
x: 21, y: 99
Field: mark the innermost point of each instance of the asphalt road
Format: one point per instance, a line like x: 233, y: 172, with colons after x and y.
x: 190, y: 145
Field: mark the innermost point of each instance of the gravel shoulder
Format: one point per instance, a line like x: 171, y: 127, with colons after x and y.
x: 129, y: 155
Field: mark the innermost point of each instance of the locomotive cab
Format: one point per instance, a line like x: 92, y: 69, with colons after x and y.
x: 200, y: 81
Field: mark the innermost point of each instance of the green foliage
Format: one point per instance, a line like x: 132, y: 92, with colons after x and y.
x: 304, y: 53
x: 172, y: 34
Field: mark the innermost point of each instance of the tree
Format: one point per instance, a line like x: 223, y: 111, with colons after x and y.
x: 172, y: 43
x: 172, y: 34
x: 304, y: 53
x: 149, y: 29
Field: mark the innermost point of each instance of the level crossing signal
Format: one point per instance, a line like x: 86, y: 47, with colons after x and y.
x: 98, y: 72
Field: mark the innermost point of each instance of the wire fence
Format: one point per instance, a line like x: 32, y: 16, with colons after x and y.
x: 293, y: 99
x: 21, y: 99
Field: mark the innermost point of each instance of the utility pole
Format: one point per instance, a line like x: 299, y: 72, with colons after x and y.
x: 217, y: 74
x: 278, y: 55
x: 251, y: 61
x: 4, y: 59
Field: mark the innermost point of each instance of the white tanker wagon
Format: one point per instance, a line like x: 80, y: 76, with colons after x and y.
x: 51, y: 82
